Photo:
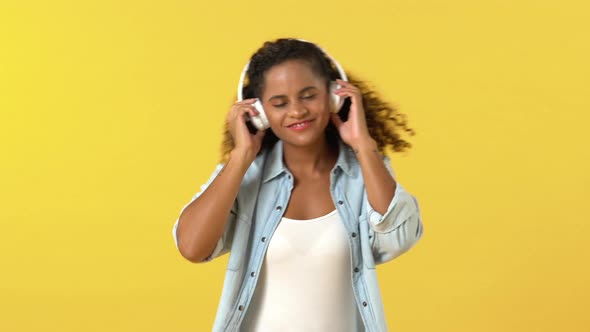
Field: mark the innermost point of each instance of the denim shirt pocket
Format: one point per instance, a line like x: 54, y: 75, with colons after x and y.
x: 366, y: 236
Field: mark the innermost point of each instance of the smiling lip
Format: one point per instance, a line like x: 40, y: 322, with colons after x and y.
x: 300, y: 125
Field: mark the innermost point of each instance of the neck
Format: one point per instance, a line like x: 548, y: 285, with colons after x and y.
x: 315, y: 159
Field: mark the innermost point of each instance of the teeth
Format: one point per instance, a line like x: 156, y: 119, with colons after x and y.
x: 299, y: 124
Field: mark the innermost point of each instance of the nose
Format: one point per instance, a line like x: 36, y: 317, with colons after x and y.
x: 298, y: 110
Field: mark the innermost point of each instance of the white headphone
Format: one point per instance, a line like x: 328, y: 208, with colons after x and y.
x: 261, y: 121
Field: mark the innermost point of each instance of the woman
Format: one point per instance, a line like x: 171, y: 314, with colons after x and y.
x: 308, y: 207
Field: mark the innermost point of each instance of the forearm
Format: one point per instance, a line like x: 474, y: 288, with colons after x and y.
x: 379, y: 183
x: 202, y: 222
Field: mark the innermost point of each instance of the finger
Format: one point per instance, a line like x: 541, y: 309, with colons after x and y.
x: 336, y: 120
x: 250, y: 110
x: 344, y: 83
x: 241, y: 109
x: 342, y: 90
x: 260, y: 133
x: 345, y: 92
x: 347, y: 85
x: 241, y: 122
x: 348, y: 88
x: 246, y: 101
x: 353, y: 94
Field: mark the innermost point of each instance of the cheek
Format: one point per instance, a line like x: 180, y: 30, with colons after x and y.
x: 274, y: 117
x: 324, y: 104
x: 323, y: 107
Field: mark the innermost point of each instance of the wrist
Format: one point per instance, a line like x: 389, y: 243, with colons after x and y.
x: 365, y: 144
x: 243, y: 156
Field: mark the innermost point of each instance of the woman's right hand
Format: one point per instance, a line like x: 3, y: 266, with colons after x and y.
x: 245, y: 143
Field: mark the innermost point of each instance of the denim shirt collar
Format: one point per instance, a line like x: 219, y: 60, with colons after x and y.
x: 275, y: 165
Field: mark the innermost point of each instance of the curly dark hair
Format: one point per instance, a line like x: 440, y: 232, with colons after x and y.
x: 383, y: 119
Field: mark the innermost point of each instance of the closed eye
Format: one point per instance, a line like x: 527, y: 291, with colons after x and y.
x: 304, y: 97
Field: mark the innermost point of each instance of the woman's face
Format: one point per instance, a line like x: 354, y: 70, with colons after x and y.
x: 296, y: 103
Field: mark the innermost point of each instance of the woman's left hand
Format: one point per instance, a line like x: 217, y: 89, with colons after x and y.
x: 354, y: 130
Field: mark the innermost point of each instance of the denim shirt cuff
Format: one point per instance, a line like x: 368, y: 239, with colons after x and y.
x: 384, y: 223
x: 216, y: 251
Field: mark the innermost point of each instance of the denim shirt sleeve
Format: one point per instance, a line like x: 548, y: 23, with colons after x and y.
x: 224, y: 243
x: 399, y: 228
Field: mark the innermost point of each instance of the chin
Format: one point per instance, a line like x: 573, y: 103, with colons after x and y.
x: 303, y: 140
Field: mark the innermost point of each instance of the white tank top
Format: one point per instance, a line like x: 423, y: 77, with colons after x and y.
x: 305, y: 283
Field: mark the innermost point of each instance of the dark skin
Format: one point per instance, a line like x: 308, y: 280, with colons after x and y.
x: 310, y: 197
x: 292, y: 94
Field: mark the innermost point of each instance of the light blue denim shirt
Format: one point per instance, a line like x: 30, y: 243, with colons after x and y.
x: 264, y: 193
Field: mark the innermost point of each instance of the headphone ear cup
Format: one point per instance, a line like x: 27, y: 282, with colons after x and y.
x: 337, y: 101
x: 260, y: 121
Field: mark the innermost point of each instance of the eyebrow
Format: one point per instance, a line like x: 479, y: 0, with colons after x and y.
x: 284, y: 96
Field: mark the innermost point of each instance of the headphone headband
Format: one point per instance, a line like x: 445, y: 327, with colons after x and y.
x: 338, y: 67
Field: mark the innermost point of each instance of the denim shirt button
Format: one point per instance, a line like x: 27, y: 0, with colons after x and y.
x: 356, y: 269
x: 340, y: 202
x: 353, y: 234
x: 364, y: 304
x: 279, y: 208
x: 263, y: 239
x: 252, y: 274
x: 241, y: 307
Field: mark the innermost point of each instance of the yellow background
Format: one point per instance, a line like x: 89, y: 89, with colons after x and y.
x: 110, y: 120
